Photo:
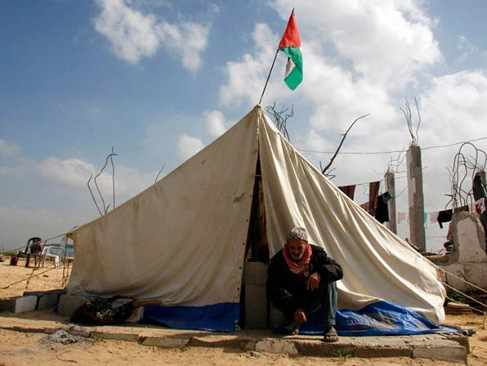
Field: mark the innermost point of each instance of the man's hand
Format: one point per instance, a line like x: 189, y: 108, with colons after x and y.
x: 313, y: 281
x: 300, y: 317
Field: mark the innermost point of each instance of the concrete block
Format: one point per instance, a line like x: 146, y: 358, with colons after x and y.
x: 7, y: 305
x: 255, y: 306
x: 128, y: 337
x: 47, y: 301
x: 68, y: 304
x: 448, y: 353
x: 255, y: 295
x: 166, y: 342
x: 20, y: 304
x: 256, y: 273
x: 276, y: 346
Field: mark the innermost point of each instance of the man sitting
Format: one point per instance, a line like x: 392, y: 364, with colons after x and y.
x: 301, y: 280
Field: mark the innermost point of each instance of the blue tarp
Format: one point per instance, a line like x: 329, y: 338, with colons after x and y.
x: 377, y: 319
x: 219, y: 317
x: 381, y: 318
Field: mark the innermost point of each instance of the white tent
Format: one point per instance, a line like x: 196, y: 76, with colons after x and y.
x: 182, y: 241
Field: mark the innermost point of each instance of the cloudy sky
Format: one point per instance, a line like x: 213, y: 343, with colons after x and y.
x: 160, y: 79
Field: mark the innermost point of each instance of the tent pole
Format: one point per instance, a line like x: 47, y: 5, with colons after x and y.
x: 268, y: 76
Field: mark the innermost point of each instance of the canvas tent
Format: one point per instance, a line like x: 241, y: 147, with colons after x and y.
x: 183, y: 240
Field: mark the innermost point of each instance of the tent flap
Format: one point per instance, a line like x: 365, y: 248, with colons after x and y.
x: 377, y: 264
x: 182, y: 240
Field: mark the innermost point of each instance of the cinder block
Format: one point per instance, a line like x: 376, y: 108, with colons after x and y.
x: 451, y: 354
x: 68, y: 304
x: 255, y: 295
x: 255, y: 307
x: 165, y: 342
x: 255, y: 273
x: 47, y: 301
x: 7, y: 305
x: 118, y: 336
x: 20, y: 304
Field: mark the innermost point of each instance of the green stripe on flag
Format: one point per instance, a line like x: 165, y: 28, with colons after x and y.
x: 295, y: 77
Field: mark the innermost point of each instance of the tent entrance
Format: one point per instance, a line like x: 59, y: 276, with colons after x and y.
x: 257, y: 249
x: 253, y: 299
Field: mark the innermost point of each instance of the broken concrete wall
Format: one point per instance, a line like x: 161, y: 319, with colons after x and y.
x: 469, y: 261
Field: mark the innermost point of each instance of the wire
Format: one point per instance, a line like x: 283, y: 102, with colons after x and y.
x: 391, y: 151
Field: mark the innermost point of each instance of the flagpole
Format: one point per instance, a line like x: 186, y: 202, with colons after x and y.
x: 268, y: 76
x: 272, y: 66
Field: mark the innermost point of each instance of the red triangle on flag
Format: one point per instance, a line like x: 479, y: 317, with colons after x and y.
x: 291, y: 37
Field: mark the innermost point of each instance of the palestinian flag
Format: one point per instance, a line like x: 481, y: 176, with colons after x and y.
x: 290, y: 44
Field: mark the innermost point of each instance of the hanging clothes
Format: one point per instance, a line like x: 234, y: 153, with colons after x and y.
x: 477, y: 187
x: 446, y: 215
x: 373, y: 196
x: 479, y: 197
x: 382, y: 209
x: 348, y: 190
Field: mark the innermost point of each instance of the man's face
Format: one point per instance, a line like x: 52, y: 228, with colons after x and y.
x: 296, y: 248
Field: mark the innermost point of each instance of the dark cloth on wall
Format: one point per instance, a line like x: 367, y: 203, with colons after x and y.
x: 382, y: 210
x: 477, y: 187
x: 287, y: 290
x: 446, y: 215
x: 479, y: 197
x: 348, y: 190
x: 373, y: 196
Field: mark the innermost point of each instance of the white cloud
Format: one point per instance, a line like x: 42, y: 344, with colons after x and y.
x: 70, y: 172
x: 246, y: 77
x: 188, y: 146
x: 215, y: 125
x: 8, y: 148
x: 44, y: 190
x: 135, y: 35
x: 386, y: 41
x: 455, y: 107
x: 186, y: 40
x: 74, y: 173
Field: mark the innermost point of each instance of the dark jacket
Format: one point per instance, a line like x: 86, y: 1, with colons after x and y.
x: 280, y: 277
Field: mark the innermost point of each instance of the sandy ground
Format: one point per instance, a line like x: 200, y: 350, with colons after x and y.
x: 46, y: 278
x: 33, y: 349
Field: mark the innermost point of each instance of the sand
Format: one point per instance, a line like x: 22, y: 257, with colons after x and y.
x: 18, y: 348
x: 45, y: 278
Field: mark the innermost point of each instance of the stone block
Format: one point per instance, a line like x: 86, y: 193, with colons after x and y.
x: 165, y: 342
x: 255, y: 307
x: 445, y: 353
x: 68, y: 304
x: 7, y: 305
x: 118, y: 336
x: 255, y: 273
x: 47, y: 301
x: 20, y: 304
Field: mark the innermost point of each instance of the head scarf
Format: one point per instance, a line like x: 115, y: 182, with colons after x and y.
x: 302, y: 265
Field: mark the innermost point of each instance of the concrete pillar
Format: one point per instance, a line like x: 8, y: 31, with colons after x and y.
x: 391, y: 204
x: 415, y: 197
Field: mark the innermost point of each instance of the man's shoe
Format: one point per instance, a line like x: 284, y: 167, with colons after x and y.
x: 330, y: 335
